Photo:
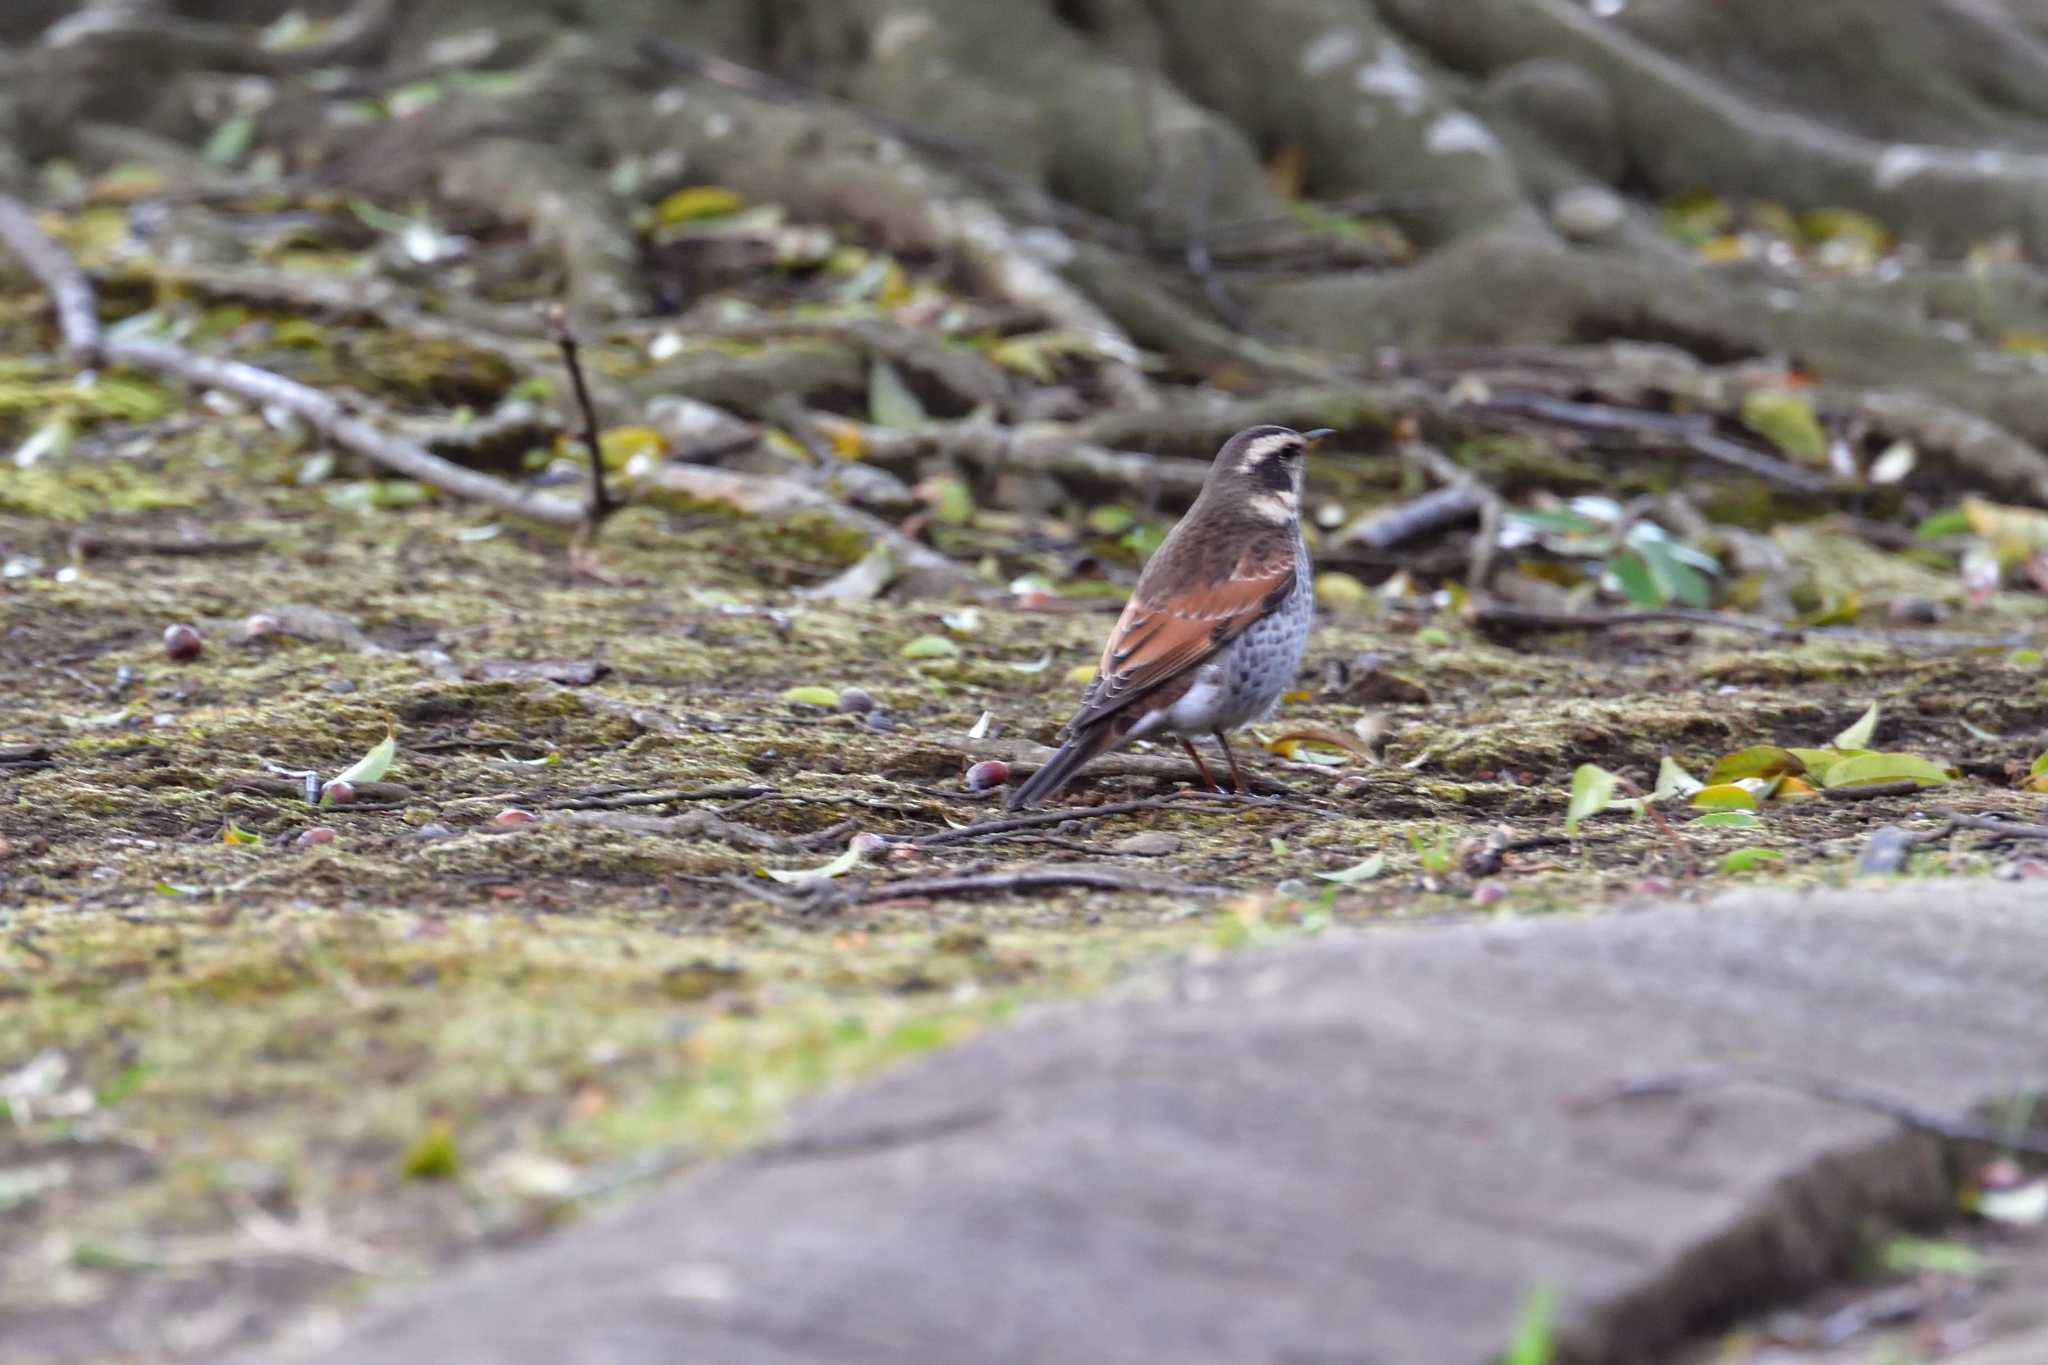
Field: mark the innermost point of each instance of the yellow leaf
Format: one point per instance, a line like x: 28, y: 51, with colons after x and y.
x: 621, y: 444
x: 843, y: 436
x: 1724, y: 796
x: 1786, y: 420
x: 1795, y: 789
x: 698, y: 202
x: 1725, y: 248
x: 1083, y: 673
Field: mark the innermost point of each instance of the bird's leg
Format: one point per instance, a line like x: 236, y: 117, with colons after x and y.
x: 1200, y: 766
x: 1236, y: 775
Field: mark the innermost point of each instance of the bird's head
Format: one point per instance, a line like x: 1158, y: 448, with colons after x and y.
x: 1260, y: 470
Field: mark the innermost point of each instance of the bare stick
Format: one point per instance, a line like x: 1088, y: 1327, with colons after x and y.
x: 69, y: 290
x: 1029, y: 879
x: 601, y: 504
x: 327, y: 417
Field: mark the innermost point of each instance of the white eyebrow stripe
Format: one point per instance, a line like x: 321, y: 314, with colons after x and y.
x: 1255, y: 454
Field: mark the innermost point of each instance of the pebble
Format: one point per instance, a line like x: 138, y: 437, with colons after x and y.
x: 341, y: 687
x: 258, y: 626
x: 985, y: 776
x: 1151, y: 843
x: 512, y: 815
x: 1587, y: 212
x: 318, y: 834
x: 856, y: 701
x: 182, y: 643
x: 434, y: 829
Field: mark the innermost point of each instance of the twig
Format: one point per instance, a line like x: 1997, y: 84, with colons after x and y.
x: 1649, y: 807
x: 1027, y: 879
x: 69, y: 290
x: 1504, y: 616
x: 2032, y: 1141
x: 601, y: 504
x: 90, y: 545
x: 2001, y: 830
x: 1055, y: 817
x: 1692, y: 433
x: 1433, y: 511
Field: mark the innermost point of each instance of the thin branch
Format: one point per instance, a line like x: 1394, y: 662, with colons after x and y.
x: 1028, y: 879
x: 601, y: 504
x: 69, y: 290
x: 1690, y: 432
x: 1056, y: 817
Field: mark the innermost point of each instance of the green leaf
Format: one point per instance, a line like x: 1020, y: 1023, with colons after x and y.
x: 811, y: 696
x: 1357, y: 872
x: 1857, y: 736
x: 1673, y: 780
x: 433, y: 1156
x: 49, y: 441
x: 1819, y: 762
x: 1868, y: 768
x: 838, y: 867
x: 235, y: 834
x: 1727, y: 819
x: 1749, y: 859
x: 1592, y: 792
x: 697, y: 202
x: 1725, y: 796
x: 1638, y: 584
x: 1533, y: 1342
x: 1110, y: 520
x: 890, y: 401
x: 1676, y: 580
x: 1758, y: 760
x: 179, y: 888
x: 1786, y: 420
x: 930, y: 647
x: 230, y: 142
x: 370, y: 767
x: 1954, y: 522
x: 2040, y: 765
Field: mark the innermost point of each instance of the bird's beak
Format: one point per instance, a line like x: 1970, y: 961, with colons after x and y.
x: 1318, y: 436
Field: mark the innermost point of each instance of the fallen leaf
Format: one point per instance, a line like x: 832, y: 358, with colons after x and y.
x: 1787, y: 421
x: 1357, y: 872
x: 811, y: 696
x: 1858, y: 735
x: 1868, y: 768
x: 1592, y: 792
x: 1725, y: 796
x: 371, y: 767
x: 567, y: 672
x: 1749, y: 859
x: 930, y: 647
x: 1758, y: 760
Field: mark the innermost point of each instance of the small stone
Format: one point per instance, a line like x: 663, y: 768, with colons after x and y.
x: 1587, y: 213
x: 340, y: 687
x: 259, y: 625
x: 986, y: 776
x: 881, y: 722
x: 512, y: 815
x: 1151, y: 843
x: 1884, y: 853
x: 319, y: 834
x: 855, y: 701
x: 434, y: 829
x: 338, y: 793
x: 869, y: 845
x: 1919, y: 610
x: 183, y: 643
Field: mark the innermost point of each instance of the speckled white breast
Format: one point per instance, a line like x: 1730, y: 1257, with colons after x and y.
x: 1246, y: 679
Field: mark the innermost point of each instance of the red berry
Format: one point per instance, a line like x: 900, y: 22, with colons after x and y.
x: 319, y: 834
x: 512, y: 815
x: 182, y: 642
x: 985, y: 776
x: 338, y: 793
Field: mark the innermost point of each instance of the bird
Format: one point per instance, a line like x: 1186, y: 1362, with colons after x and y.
x: 1215, y: 629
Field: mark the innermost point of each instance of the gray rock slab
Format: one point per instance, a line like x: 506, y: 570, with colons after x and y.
x: 1364, y: 1150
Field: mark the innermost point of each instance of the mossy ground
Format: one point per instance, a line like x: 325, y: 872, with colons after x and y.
x: 240, y: 1073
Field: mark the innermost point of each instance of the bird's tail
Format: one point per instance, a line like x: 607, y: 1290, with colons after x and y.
x: 1067, y: 760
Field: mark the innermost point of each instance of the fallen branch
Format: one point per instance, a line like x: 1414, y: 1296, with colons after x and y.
x: 986, y: 828
x: 1689, y: 432
x: 601, y: 505
x: 1436, y: 510
x: 1028, y: 879
x: 69, y: 290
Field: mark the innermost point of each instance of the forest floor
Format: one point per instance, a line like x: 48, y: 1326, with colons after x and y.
x: 243, y: 1072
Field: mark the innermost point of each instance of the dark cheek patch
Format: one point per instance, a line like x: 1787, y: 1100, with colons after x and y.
x: 1273, y: 475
